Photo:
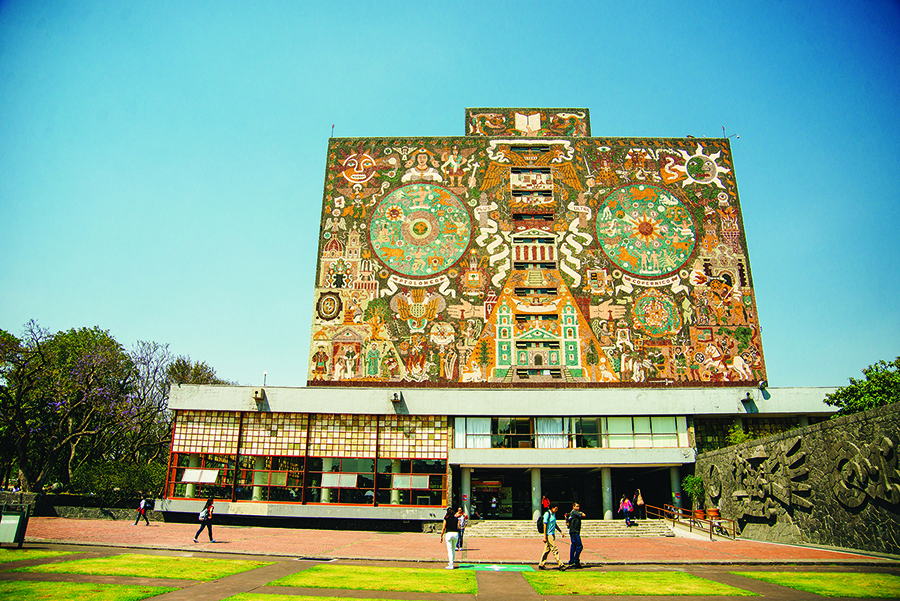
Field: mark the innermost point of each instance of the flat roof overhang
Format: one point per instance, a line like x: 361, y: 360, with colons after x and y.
x: 535, y: 402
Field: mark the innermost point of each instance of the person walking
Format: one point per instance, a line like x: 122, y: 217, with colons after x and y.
x: 626, y: 508
x: 545, y: 504
x: 142, y: 511
x: 463, y: 520
x: 206, y: 518
x: 450, y: 533
x: 640, y: 511
x: 550, y: 530
x: 494, y: 507
x: 573, y: 521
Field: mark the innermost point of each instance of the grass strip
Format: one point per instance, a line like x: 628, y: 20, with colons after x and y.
x: 150, y: 566
x: 629, y: 583
x: 407, y: 580
x: 77, y: 591
x: 834, y: 584
x: 8, y: 555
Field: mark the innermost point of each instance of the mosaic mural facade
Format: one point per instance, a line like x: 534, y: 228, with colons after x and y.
x: 529, y: 252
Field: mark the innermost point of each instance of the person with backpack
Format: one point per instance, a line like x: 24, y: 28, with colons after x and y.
x: 626, y: 508
x: 548, y: 526
x: 206, y: 517
x: 142, y: 511
x: 573, y: 522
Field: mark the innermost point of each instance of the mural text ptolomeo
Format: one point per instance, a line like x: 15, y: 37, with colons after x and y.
x: 527, y: 252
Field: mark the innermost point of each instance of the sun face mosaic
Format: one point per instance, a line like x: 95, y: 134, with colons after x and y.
x: 528, y: 252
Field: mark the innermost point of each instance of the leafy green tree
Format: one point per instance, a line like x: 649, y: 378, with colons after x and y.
x: 75, y: 400
x: 58, y: 394
x: 881, y: 387
x: 185, y: 371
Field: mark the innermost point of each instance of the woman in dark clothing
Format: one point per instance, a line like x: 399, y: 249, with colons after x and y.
x: 450, y: 532
x: 206, y: 520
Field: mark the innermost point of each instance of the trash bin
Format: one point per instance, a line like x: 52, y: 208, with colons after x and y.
x: 13, y: 523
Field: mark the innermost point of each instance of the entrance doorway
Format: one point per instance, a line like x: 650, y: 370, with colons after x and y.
x: 511, y: 488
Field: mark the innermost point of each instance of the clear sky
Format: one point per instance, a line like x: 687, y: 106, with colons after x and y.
x: 162, y: 163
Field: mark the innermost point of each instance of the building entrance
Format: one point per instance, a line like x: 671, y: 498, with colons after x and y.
x: 654, y: 482
x: 510, y: 487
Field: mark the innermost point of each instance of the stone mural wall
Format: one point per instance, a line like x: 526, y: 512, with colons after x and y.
x: 834, y: 483
x: 527, y: 252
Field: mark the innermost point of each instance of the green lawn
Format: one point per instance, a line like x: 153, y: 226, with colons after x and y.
x: 415, y: 580
x: 77, y: 591
x: 150, y: 566
x: 834, y: 584
x: 628, y: 583
x: 8, y: 555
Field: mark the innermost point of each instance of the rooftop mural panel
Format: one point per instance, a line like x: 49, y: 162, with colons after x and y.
x: 528, y: 122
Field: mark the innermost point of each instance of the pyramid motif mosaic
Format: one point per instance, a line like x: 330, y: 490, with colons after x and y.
x: 529, y: 253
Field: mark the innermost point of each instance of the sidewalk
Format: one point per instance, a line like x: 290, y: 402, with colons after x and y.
x: 416, y: 547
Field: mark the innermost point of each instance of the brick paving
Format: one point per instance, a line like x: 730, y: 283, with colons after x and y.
x: 294, y: 550
x: 345, y: 544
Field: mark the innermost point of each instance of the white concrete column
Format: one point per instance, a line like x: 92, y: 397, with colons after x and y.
x: 327, y: 464
x: 675, y: 479
x: 191, y: 489
x: 606, y: 483
x: 395, y: 493
x: 535, y: 492
x: 466, y: 491
x: 260, y: 477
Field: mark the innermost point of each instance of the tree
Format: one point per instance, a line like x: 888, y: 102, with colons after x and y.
x: 692, y: 485
x: 185, y: 371
x: 881, y: 387
x: 75, y: 400
x: 59, y: 394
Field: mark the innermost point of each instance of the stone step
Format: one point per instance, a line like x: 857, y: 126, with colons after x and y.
x: 589, y: 529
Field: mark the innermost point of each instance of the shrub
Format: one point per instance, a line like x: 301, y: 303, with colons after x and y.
x: 117, y: 480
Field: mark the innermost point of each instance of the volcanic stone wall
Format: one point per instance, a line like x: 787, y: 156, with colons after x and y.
x: 835, y: 483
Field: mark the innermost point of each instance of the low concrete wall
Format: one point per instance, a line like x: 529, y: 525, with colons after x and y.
x: 836, y: 483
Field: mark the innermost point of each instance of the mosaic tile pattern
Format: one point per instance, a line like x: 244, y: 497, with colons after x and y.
x: 523, y: 122
x: 274, y: 434
x: 413, y: 437
x: 206, y: 432
x: 528, y: 252
x: 342, y: 435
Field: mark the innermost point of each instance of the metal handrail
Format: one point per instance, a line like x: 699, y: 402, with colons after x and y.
x: 692, y: 519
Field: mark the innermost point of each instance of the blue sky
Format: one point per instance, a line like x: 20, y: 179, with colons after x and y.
x: 162, y: 163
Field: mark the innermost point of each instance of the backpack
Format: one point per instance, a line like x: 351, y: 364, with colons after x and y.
x: 150, y: 504
x: 203, y: 515
x: 540, y: 523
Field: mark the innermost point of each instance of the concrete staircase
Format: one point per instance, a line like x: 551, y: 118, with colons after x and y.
x: 589, y: 529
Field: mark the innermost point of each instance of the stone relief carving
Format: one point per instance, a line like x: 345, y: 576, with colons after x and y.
x: 866, y: 472
x: 766, y: 479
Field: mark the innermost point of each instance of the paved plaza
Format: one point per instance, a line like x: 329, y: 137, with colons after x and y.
x: 295, y: 550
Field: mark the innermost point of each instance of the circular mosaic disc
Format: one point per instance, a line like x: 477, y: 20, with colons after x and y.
x: 420, y: 230
x: 656, y: 314
x: 646, y: 230
x: 329, y: 306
